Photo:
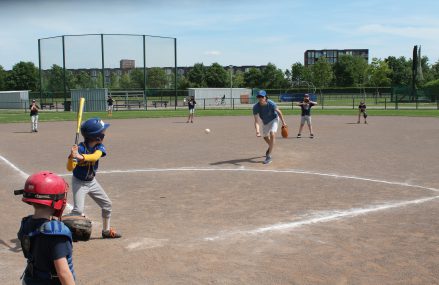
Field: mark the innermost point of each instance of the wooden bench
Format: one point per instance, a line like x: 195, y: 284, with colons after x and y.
x: 128, y: 104
x: 45, y: 105
x: 155, y: 103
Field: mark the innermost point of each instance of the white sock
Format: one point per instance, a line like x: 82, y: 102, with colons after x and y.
x: 106, y: 224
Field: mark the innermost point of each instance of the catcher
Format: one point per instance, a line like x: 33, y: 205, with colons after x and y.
x: 362, y: 110
x: 84, y: 161
x: 45, y: 241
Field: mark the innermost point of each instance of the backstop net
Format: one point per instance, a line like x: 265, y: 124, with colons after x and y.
x: 131, y: 67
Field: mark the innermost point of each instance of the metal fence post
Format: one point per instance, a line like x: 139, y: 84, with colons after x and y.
x: 353, y: 103
x: 385, y: 103
x: 396, y: 101
x: 204, y: 104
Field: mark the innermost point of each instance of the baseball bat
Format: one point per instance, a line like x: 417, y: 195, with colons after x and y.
x: 79, y: 118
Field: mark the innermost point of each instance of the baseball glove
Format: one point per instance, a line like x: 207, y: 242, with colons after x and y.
x: 284, y: 131
x: 79, y: 226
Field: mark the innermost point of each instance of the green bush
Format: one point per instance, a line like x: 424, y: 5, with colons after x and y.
x: 431, y: 89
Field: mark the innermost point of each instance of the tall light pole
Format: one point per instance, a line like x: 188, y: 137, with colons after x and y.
x: 231, y: 85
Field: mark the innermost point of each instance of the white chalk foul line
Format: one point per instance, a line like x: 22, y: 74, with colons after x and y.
x: 25, y: 176
x: 296, y: 171
x: 318, y: 218
x: 22, y: 173
x: 321, y: 218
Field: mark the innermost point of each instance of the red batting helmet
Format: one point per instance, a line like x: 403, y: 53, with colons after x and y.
x: 46, y: 188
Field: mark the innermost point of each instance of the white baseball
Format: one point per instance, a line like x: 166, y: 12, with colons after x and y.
x: 207, y: 131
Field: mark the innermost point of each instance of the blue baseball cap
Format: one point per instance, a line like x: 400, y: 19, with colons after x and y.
x: 262, y: 93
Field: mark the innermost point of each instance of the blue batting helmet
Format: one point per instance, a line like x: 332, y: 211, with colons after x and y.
x: 93, y: 129
x: 262, y: 93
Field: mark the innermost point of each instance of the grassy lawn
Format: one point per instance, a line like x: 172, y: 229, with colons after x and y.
x: 46, y: 116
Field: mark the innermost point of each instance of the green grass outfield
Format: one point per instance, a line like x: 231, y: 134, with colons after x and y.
x: 50, y: 116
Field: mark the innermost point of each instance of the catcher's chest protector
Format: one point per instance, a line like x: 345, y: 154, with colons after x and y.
x: 51, y: 228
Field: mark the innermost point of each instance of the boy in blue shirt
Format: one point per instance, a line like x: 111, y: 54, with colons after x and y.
x: 46, y: 242
x: 84, y: 162
x: 267, y: 111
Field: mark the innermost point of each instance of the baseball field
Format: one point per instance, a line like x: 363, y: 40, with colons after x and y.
x: 358, y: 204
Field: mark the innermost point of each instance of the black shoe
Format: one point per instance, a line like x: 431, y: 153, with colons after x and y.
x: 111, y: 234
x: 299, y: 136
x: 311, y: 135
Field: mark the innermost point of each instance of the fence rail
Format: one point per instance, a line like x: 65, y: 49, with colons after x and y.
x: 383, y: 101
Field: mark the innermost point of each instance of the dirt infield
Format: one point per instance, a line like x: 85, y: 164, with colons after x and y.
x: 358, y: 204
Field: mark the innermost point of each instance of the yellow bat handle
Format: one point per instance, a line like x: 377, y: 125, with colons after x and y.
x: 79, y: 118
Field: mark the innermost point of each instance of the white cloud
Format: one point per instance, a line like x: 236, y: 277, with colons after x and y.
x: 410, y: 31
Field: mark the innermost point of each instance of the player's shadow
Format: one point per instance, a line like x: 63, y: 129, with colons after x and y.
x: 15, y: 248
x: 238, y: 162
x: 22, y: 132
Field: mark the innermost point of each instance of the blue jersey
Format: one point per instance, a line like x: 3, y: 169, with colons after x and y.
x: 267, y: 113
x: 44, y: 249
x: 86, y: 170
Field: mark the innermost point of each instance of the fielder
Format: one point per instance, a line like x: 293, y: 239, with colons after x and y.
x: 87, y: 155
x: 267, y: 111
x: 306, y: 106
x: 362, y: 110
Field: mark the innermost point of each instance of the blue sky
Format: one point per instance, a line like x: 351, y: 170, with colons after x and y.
x: 240, y: 32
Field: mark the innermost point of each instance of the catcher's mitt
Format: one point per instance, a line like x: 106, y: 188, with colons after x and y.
x: 284, y: 131
x: 79, y: 226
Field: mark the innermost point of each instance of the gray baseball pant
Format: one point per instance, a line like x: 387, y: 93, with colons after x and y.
x: 80, y: 188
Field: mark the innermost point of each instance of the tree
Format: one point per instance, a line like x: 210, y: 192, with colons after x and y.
x: 217, y: 76
x: 83, y: 80
x: 322, y: 74
x: 55, y: 79
x: 23, y: 76
x: 435, y: 70
x: 157, y: 78
x: 400, y: 70
x: 137, y: 79
x: 253, y: 78
x: 379, y: 73
x: 350, y: 71
x: 238, y: 79
x: 297, y: 71
x: 183, y: 83
x: 197, y: 76
x: 125, y: 81
x: 3, y: 75
x: 114, y: 81
x: 273, y: 78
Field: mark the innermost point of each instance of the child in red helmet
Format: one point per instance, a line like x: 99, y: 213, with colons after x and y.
x: 84, y: 162
x: 46, y: 242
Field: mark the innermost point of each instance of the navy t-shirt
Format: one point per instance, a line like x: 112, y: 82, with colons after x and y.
x: 191, y: 104
x: 45, y: 249
x: 306, y: 108
x: 86, y: 170
x: 362, y: 107
x: 267, y: 113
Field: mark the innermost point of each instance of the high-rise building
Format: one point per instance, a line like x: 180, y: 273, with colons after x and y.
x: 312, y: 56
x: 127, y: 63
